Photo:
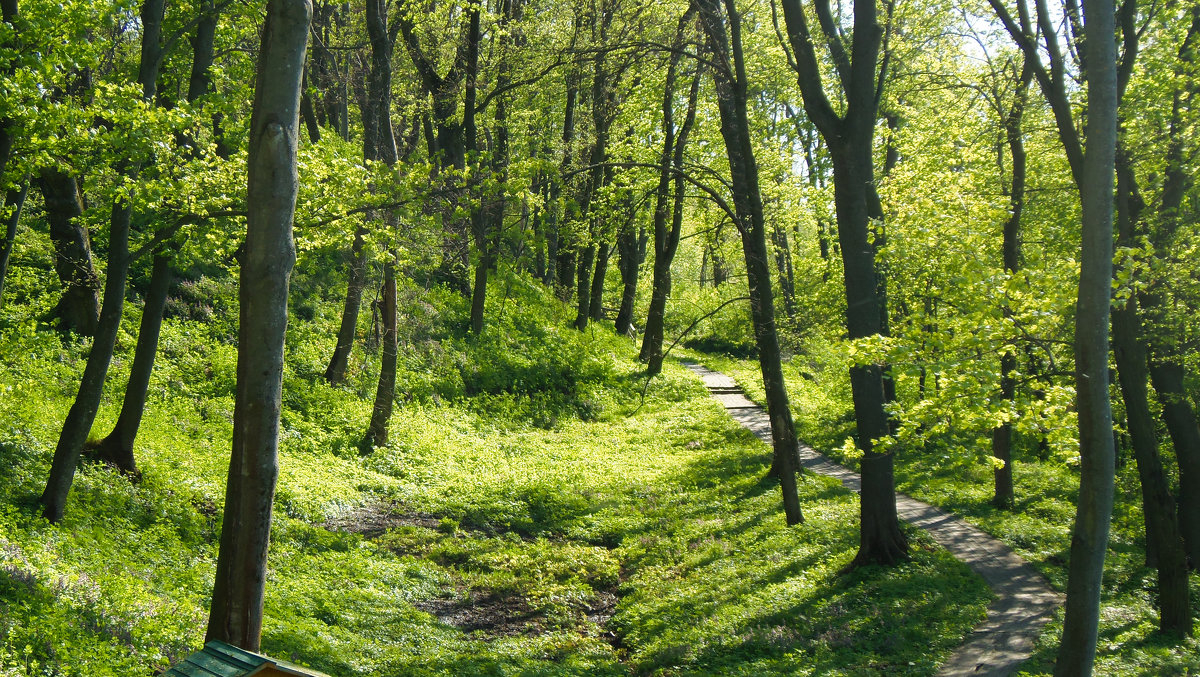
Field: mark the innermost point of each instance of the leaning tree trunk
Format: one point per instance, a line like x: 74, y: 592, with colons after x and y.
x: 381, y: 412
x: 14, y: 200
x: 730, y: 77
x: 272, y: 184
x: 91, y: 387
x: 117, y: 448
x: 87, y: 399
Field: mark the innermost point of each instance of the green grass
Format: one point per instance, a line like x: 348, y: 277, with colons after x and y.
x: 531, y: 515
x: 1038, y: 528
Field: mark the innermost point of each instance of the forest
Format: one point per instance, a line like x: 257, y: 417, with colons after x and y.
x: 365, y: 334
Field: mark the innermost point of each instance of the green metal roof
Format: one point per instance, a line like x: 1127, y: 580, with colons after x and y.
x: 218, y: 659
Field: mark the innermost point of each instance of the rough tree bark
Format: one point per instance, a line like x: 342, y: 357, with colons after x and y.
x: 729, y: 73
x: 272, y: 184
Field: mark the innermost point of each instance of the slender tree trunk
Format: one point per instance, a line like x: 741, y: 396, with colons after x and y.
x: 783, y: 268
x: 1167, y: 372
x: 730, y: 77
x: 381, y: 412
x: 335, y: 373
x: 1089, y: 541
x: 1003, y: 495
x: 629, y: 263
x: 87, y: 399
x: 666, y: 240
x: 596, y: 301
x: 583, y: 280
x: 91, y: 387
x: 272, y: 184
x: 14, y: 200
x: 117, y: 448
x: 1164, y: 543
x: 79, y: 308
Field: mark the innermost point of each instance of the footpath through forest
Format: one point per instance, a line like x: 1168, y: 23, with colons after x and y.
x: 1024, y: 600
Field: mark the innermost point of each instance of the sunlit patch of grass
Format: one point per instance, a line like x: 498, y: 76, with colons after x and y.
x: 563, y: 525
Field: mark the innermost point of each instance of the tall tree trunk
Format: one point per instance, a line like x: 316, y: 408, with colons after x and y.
x: 14, y: 200
x: 79, y: 308
x: 849, y: 138
x: 272, y: 184
x: 583, y: 281
x: 729, y: 73
x: 1089, y: 540
x: 629, y: 264
x: 1167, y: 378
x: 1167, y: 372
x: 783, y: 268
x: 596, y: 305
x: 381, y: 145
x: 335, y: 373
x: 666, y: 238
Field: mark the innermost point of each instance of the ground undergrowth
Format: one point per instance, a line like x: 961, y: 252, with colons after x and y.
x: 1038, y: 528
x: 530, y: 515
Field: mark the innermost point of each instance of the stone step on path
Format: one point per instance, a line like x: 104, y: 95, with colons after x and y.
x: 1024, y: 600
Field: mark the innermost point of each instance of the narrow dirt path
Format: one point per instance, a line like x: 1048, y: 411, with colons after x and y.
x: 1024, y: 600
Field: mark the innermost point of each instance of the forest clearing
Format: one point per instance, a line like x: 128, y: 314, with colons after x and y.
x: 603, y: 337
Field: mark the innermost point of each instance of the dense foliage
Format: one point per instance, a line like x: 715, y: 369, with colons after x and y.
x: 511, y: 177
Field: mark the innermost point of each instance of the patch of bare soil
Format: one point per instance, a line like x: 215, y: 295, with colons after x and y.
x: 493, y: 615
x: 488, y: 613
x: 376, y: 518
